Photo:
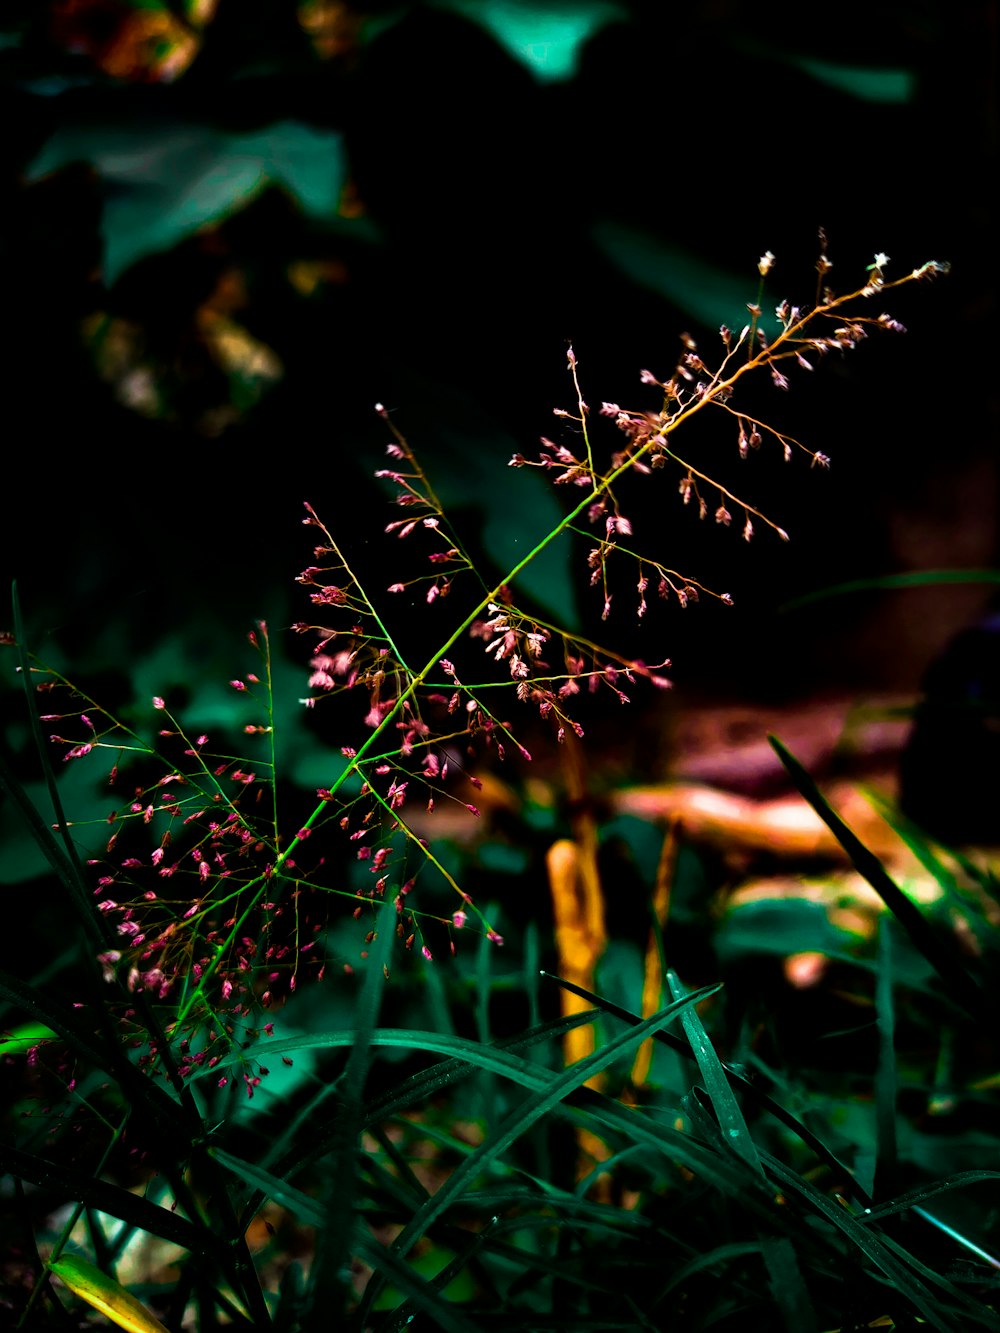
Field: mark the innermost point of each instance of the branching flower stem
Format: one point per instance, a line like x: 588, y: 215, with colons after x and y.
x: 717, y: 388
x: 649, y: 447
x: 426, y: 852
x: 717, y: 486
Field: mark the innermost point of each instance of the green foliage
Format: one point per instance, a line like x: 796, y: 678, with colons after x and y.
x: 696, y: 286
x: 215, y: 1057
x: 252, y: 1078
x: 193, y: 175
x: 546, y: 38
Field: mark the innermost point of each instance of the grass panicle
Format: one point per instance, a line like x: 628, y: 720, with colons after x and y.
x: 279, y: 1072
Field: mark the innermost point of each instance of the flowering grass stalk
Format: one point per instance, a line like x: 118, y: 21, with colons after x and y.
x: 399, y: 692
x: 200, y: 917
x: 212, y: 899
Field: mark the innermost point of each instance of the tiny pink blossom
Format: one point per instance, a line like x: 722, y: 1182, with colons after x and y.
x: 615, y: 523
x: 158, y: 702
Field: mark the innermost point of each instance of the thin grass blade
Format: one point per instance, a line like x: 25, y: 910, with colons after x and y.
x: 914, y: 1198
x: 886, y: 1080
x: 917, y: 578
x: 960, y: 985
x: 872, y: 1245
x: 739, y: 1080
x: 519, y: 1120
x: 727, y: 1110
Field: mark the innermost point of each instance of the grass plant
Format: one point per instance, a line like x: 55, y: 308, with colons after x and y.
x: 263, y: 1074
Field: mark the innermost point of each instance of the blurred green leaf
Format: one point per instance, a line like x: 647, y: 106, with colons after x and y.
x: 620, y: 974
x: 868, y: 85
x: 503, y: 858
x: 643, y: 839
x: 703, y: 291
x: 778, y: 926
x: 546, y: 38
x: 23, y: 856
x: 164, y: 180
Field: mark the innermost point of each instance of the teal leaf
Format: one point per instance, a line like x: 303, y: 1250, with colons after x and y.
x: 779, y: 926
x: 705, y: 292
x: 545, y: 38
x: 165, y: 180
x: 893, y: 86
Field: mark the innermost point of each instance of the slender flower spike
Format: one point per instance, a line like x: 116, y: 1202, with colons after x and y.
x: 204, y: 809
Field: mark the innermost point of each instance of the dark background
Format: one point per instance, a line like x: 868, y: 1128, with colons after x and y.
x: 229, y: 229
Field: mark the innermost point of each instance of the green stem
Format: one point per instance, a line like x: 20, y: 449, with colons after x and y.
x: 602, y: 486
